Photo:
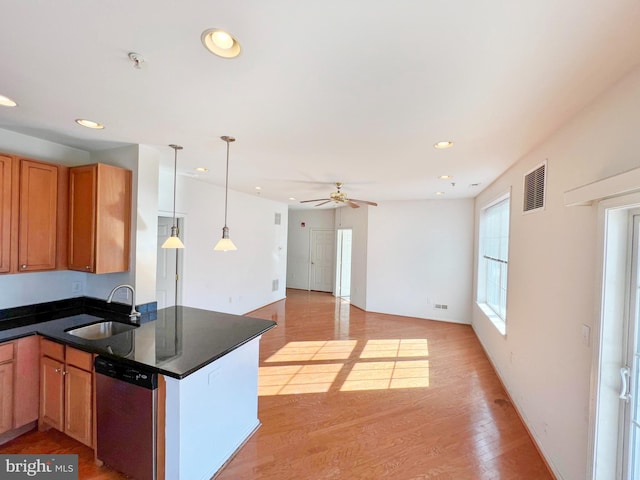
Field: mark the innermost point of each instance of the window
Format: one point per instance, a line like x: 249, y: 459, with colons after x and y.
x: 493, y: 261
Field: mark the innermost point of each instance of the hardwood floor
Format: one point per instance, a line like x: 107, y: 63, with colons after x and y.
x: 350, y: 395
x: 55, y: 442
x: 346, y: 394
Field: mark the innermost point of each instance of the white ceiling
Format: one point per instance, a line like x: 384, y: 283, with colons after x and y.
x: 356, y: 91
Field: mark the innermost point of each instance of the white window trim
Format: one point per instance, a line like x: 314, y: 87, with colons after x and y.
x: 493, y: 317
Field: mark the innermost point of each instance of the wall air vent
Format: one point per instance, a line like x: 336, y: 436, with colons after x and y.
x: 278, y: 219
x: 535, y: 182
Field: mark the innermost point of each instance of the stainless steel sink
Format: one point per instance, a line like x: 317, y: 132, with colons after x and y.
x: 99, y: 330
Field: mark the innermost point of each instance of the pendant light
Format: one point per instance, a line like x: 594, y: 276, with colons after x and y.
x: 174, y: 241
x: 225, y: 244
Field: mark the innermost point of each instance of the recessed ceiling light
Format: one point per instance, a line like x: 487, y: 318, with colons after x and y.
x: 258, y: 188
x: 201, y: 169
x: 221, y: 43
x: 439, y: 193
x: 292, y: 198
x: 445, y: 177
x: 442, y: 145
x: 7, y: 102
x: 89, y: 123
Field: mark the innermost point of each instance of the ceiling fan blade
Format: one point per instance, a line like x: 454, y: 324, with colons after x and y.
x: 364, y: 201
x: 353, y: 204
x: 326, y: 201
x: 316, y: 200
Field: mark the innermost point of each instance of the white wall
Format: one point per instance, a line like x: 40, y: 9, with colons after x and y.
x: 299, y: 243
x: 420, y: 253
x: 553, y: 276
x: 233, y: 282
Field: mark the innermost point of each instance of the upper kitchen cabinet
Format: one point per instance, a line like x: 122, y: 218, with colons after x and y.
x: 6, y: 164
x: 99, y: 218
x: 33, y: 215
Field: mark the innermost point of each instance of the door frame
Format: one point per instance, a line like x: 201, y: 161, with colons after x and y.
x: 611, y: 314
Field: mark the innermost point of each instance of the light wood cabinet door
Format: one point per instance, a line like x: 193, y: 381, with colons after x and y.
x: 38, y: 216
x: 78, y: 404
x: 99, y: 218
x: 27, y: 381
x: 6, y: 397
x: 82, y: 221
x: 52, y: 393
x: 6, y: 183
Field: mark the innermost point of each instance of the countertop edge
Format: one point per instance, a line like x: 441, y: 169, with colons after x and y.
x: 41, y: 328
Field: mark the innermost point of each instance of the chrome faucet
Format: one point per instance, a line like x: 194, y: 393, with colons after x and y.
x: 134, y: 315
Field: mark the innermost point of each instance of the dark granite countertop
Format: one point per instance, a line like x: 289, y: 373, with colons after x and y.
x: 180, y: 341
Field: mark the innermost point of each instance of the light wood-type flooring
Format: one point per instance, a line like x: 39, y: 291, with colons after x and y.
x: 350, y: 395
x: 346, y: 394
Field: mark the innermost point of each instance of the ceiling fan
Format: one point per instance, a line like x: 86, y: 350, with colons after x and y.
x: 341, y: 199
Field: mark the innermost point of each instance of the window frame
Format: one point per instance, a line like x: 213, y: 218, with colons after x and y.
x: 497, y: 314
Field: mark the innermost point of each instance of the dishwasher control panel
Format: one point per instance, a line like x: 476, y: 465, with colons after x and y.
x: 126, y: 373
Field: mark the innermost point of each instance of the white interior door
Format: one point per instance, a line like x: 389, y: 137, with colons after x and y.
x: 167, y: 273
x: 322, y: 260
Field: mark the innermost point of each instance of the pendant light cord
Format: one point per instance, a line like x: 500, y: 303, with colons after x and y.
x: 175, y: 176
x: 226, y: 185
x: 228, y: 140
x: 175, y: 170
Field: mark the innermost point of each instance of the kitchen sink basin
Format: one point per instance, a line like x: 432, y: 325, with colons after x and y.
x: 99, y: 330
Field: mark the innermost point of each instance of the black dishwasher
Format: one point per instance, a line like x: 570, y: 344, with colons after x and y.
x: 126, y: 414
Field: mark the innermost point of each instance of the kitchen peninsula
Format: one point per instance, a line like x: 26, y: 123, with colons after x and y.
x: 207, y: 366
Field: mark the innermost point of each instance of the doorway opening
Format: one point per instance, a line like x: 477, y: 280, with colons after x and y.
x: 169, y: 266
x: 343, y: 263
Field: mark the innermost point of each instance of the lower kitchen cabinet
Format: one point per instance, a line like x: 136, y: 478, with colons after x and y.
x: 18, y: 383
x: 78, y: 390
x: 52, y: 393
x: 66, y: 397
x: 6, y: 396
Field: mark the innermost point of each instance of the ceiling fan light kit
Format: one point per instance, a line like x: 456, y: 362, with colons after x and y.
x: 341, y: 199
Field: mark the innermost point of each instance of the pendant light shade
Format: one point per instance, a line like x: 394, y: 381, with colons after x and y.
x: 225, y: 244
x: 174, y: 241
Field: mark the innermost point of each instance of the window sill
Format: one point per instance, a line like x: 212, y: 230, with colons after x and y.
x: 499, y: 323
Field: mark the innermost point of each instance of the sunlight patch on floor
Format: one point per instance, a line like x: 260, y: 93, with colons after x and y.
x: 386, y: 375
x: 294, y: 379
x: 381, y: 364
x: 310, y: 351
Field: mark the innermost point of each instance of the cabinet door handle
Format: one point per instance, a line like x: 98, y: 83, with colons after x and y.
x: 88, y: 267
x: 23, y: 266
x: 57, y: 370
x: 64, y: 372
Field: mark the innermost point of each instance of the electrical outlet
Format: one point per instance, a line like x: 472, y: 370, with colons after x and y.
x: 76, y: 287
